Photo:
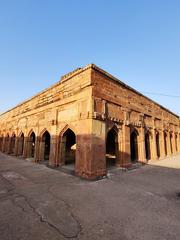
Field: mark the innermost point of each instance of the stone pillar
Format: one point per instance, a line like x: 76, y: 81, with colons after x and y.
x: 28, y: 147
x: 154, y: 146
x: 61, y: 152
x: 168, y: 144
x: 0, y: 144
x: 163, y: 155
x: 119, y: 157
x: 53, y: 151
x: 16, y: 146
x: 174, y: 142
x: 54, y: 139
x: 20, y: 146
x: 126, y: 149
x: 141, y: 146
x: 37, y: 149
x: 3, y: 144
x: 9, y: 146
x: 25, y: 149
x: 41, y: 150
x: 91, y: 149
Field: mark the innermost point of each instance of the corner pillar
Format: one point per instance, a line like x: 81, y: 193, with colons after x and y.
x: 90, y: 153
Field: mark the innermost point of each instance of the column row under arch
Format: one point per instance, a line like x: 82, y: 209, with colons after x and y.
x: 152, y: 147
x: 132, y: 143
x: 39, y: 148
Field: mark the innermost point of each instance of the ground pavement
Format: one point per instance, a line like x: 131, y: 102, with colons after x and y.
x: 39, y: 203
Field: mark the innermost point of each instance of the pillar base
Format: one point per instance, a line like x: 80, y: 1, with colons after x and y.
x: 91, y: 175
x: 124, y: 165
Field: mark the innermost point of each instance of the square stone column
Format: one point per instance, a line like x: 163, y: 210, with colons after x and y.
x: 3, y: 144
x: 141, y: 146
x: 119, y: 157
x: 37, y: 147
x: 162, y: 145
x: 9, y: 146
x: 53, y: 150
x: 126, y: 149
x: 168, y: 145
x: 153, y: 146
x: 61, y: 148
x: 174, y: 143
x: 26, y: 145
x: 90, y: 151
x: 16, y: 146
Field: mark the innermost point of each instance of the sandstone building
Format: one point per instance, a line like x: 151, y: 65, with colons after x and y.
x: 90, y: 120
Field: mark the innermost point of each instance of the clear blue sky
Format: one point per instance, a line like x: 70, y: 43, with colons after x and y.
x: 137, y: 41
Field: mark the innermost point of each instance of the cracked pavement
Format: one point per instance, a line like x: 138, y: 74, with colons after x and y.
x: 37, y: 203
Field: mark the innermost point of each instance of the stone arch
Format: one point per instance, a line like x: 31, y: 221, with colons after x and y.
x: 41, y: 133
x: 134, y: 145
x: 21, y: 144
x: 148, y: 145
x: 165, y: 143
x: 67, y: 146
x: 111, y: 146
x: 157, y: 136
x: 12, y: 144
x: 66, y: 127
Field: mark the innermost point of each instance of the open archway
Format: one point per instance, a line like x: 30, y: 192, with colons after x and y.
x: 46, y: 143
x: 134, y: 146
x: 157, y: 145
x: 12, y: 144
x: 111, y: 148
x: 21, y: 144
x: 31, y: 145
x: 165, y: 143
x: 147, y: 146
x: 67, y: 149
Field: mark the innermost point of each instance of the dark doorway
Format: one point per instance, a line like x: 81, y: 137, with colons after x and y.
x: 157, y: 145
x: 46, y: 140
x: 111, y: 148
x: 134, y: 146
x: 21, y: 145
x: 165, y: 143
x: 69, y: 147
x: 12, y: 146
x: 32, y: 140
x: 147, y: 146
x: 171, y: 146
